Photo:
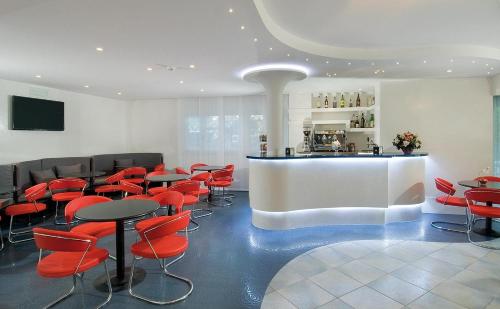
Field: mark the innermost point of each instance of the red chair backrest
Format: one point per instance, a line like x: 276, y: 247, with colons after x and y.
x: 156, y: 173
x: 115, y: 178
x: 35, y: 192
x: 168, y: 226
x: 82, y: 202
x: 135, y: 171
x: 180, y: 170
x: 489, y: 178
x: 173, y: 198
x: 159, y: 167
x: 444, y: 186
x: 482, y: 195
x: 201, y: 176
x: 55, y: 240
x: 186, y: 187
x: 222, y: 175
x: 229, y: 167
x: 131, y: 188
x: 445, y: 181
x: 67, y: 183
x: 192, y: 168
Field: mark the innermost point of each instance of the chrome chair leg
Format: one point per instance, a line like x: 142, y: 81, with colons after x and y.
x: 12, y: 234
x: 196, y: 226
x: 1, y: 240
x: 177, y: 259
x: 207, y: 212
x: 159, y: 302
x: 66, y: 295
x: 437, y: 225
x: 110, y: 288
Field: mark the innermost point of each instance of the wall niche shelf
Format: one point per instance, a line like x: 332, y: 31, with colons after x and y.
x: 341, y: 110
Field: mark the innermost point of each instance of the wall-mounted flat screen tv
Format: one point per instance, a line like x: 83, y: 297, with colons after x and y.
x: 36, y: 114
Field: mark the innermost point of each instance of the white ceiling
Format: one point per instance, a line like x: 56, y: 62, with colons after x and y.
x: 57, y: 39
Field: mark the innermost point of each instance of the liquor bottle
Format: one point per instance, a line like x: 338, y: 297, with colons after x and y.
x: 358, y: 101
x: 356, y: 123
x: 350, y: 102
x: 334, y: 103
x: 342, y: 101
x: 353, y: 121
x: 362, y: 124
x: 318, y: 101
x: 372, y: 121
x: 326, y: 102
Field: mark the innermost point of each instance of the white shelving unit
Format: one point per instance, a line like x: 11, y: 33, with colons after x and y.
x: 341, y: 110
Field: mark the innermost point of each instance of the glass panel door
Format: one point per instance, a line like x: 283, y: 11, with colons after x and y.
x: 496, y: 135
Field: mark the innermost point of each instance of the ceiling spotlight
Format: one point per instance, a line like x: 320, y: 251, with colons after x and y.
x: 492, y: 68
x: 181, y: 82
x: 473, y: 61
x: 149, y: 69
x: 202, y: 90
x: 425, y: 61
x: 397, y: 62
x: 307, y: 59
x: 334, y: 74
x: 99, y: 49
x: 119, y: 93
x: 349, y: 63
x: 383, y: 71
x: 230, y: 11
x: 360, y: 89
x: 449, y: 71
x: 489, y: 72
x: 242, y: 27
x: 451, y: 60
x: 38, y: 76
x: 327, y: 62
x: 86, y: 86
x: 288, y: 55
x: 255, y: 39
x: 376, y: 72
x: 270, y: 48
x: 487, y: 65
x: 192, y: 66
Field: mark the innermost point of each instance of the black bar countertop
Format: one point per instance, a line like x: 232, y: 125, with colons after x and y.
x: 336, y: 155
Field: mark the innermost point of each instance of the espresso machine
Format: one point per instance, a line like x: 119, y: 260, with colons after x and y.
x: 326, y: 140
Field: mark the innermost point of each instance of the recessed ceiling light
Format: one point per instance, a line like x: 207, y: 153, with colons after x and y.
x: 349, y: 63
x: 202, y: 90
x: 451, y: 60
x: 334, y: 74
x: 86, y: 86
x: 489, y: 72
x: 383, y: 71
x: 242, y: 27
x: 425, y: 61
x: 38, y: 76
x: 270, y: 48
x: 307, y: 59
x: 99, y: 49
x: 149, y: 69
x: 473, y: 61
x: 327, y: 62
x: 288, y: 55
x: 492, y: 68
x: 119, y: 93
x: 376, y: 72
x: 397, y: 62
x: 360, y: 89
x: 255, y: 39
x: 487, y: 65
x: 230, y: 10
x: 192, y: 66
x: 181, y: 82
x: 449, y: 71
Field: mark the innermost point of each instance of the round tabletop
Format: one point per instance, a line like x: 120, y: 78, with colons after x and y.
x: 476, y: 184
x: 117, y: 210
x: 209, y: 168
x: 167, y: 178
x: 83, y: 175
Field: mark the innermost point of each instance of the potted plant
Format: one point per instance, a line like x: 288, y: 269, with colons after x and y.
x: 407, y: 142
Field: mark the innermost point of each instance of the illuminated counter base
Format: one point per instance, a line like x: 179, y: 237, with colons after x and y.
x: 293, y: 193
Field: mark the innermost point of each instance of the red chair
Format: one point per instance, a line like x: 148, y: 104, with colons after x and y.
x: 159, y: 167
x: 180, y: 170
x: 449, y: 200
x: 489, y: 178
x: 194, y: 166
x: 135, y: 174
x: 130, y: 188
x: 33, y: 195
x: 189, y: 190
x: 95, y: 229
x: 220, y: 180
x: 480, y: 202
x: 71, y: 188
x: 113, y: 184
x: 202, y: 178
x: 170, y: 198
x: 156, y: 190
x: 73, y: 254
x: 159, y: 241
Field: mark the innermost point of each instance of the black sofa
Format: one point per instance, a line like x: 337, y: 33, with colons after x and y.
x: 6, y: 184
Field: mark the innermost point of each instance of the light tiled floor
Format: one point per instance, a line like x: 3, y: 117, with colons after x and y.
x: 388, y: 274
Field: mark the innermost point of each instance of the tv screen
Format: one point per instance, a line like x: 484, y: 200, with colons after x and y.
x: 36, y: 114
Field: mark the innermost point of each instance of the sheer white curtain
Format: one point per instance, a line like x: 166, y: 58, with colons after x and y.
x: 221, y: 130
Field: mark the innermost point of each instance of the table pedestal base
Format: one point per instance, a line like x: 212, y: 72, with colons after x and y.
x: 485, y: 227
x: 119, y: 284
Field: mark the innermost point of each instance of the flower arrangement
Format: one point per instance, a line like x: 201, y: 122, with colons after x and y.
x: 407, y: 142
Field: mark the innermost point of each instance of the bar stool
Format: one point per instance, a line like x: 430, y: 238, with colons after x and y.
x: 482, y: 195
x: 159, y: 241
x: 72, y: 188
x: 450, y: 200
x: 72, y: 254
x: 33, y: 195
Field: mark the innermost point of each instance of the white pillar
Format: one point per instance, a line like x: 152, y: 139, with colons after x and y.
x: 274, y: 82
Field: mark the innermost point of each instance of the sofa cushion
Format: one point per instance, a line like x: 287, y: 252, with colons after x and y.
x: 42, y: 176
x: 68, y: 169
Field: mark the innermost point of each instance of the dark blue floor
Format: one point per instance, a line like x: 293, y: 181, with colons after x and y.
x: 229, y: 261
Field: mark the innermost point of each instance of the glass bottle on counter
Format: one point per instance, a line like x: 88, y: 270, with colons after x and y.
x: 356, y: 123
x: 358, y: 101
x: 342, y: 101
x: 334, y: 102
x: 318, y: 101
x: 326, y: 102
x: 362, y: 122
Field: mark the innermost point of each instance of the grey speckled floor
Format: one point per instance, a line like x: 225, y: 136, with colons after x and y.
x: 230, y: 262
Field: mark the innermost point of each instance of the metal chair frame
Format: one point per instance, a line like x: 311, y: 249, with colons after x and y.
x: 57, y: 204
x: 470, y: 226
x: 438, y: 224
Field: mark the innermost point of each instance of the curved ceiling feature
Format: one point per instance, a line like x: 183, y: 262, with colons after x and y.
x: 386, y: 29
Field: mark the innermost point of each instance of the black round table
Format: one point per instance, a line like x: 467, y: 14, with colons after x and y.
x: 488, y: 222
x: 209, y: 168
x: 118, y: 211
x: 169, y: 178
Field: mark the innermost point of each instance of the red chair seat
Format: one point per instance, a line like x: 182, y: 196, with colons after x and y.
x: 108, y: 188
x: 96, y: 229
x: 138, y: 197
x: 66, y: 196
x: 63, y: 264
x: 219, y: 183
x: 24, y: 209
x: 136, y: 181
x: 203, y: 191
x: 165, y: 247
x: 190, y: 199
x: 485, y: 211
x: 452, y: 201
x: 157, y: 190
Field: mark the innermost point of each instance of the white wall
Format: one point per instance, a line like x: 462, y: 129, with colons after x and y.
x: 454, y: 120
x: 153, y: 128
x: 93, y: 125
